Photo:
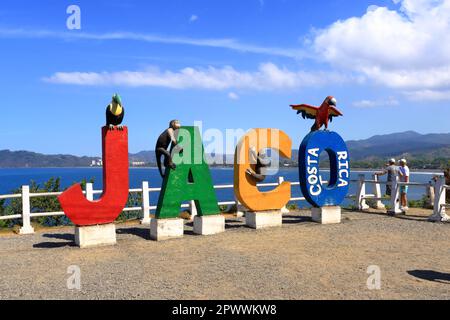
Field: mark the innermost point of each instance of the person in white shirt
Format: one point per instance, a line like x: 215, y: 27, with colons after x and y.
x: 403, y: 172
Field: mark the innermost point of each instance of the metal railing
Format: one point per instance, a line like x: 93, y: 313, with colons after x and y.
x: 359, y: 199
x: 437, y: 185
x: 145, y: 207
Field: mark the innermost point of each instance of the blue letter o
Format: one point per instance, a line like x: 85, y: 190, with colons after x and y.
x: 316, y: 193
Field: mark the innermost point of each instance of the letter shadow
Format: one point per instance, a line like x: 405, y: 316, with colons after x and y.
x: 412, y: 218
x: 431, y: 275
x: 143, y: 233
x: 296, y: 219
x: 54, y: 245
x: 234, y: 224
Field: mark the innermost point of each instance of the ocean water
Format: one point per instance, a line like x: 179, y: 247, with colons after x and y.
x: 11, y: 179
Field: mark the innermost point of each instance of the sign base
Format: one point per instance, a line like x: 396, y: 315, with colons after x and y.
x: 164, y: 229
x: 207, y: 225
x: 326, y: 215
x: 263, y: 219
x: 96, y: 235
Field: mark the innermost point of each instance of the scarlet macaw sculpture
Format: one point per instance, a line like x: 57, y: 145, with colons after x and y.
x: 321, y: 114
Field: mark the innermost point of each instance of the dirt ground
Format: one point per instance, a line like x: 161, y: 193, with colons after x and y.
x: 301, y: 260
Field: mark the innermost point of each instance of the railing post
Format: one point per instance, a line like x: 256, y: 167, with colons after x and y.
x: 439, y: 201
x: 377, y: 191
x: 284, y: 209
x: 360, y: 201
x: 145, y: 203
x: 193, y: 209
x: 395, y: 197
x: 26, y: 220
x: 90, y: 191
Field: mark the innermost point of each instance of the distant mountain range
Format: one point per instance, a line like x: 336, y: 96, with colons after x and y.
x: 409, y: 144
x: 18, y: 159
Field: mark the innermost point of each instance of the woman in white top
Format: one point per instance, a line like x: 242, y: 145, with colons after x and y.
x: 403, y: 172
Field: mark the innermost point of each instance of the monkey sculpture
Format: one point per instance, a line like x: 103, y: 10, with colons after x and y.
x: 261, y: 162
x: 166, y: 139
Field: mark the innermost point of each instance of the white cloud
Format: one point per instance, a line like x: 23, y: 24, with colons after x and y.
x: 233, y: 96
x: 389, y: 102
x: 224, y: 43
x: 428, y: 95
x: 406, y: 49
x: 193, y: 18
x: 268, y: 76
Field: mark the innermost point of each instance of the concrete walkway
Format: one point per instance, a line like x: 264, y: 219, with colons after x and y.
x: 301, y: 260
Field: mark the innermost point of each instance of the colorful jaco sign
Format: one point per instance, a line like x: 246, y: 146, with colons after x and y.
x: 115, y: 185
x: 191, y: 180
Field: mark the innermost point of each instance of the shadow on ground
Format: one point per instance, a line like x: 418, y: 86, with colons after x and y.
x: 53, y: 245
x: 296, y: 219
x: 413, y: 218
x: 234, y: 224
x: 61, y: 236
x: 431, y: 275
x: 143, y: 233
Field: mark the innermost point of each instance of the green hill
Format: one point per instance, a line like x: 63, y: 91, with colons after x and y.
x: 423, y: 151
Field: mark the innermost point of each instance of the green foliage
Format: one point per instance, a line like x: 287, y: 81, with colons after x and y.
x: 3, y: 223
x: 292, y: 207
x: 41, y: 204
x: 51, y: 204
x: 422, y: 203
x: 2, y: 204
x: 84, y: 182
x: 413, y: 163
x: 38, y: 204
x: 47, y: 204
x: 134, y: 200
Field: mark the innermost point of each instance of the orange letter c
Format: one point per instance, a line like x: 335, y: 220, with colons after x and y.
x: 245, y: 187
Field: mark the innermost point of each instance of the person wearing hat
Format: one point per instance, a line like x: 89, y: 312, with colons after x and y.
x: 392, y: 171
x: 403, y: 172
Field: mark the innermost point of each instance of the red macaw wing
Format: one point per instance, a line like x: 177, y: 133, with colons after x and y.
x: 306, y: 110
x: 333, y: 112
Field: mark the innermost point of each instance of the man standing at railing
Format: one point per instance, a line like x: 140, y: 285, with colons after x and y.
x: 392, y: 172
x: 404, y: 177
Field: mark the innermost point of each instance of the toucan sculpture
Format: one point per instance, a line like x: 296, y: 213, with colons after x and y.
x: 321, y: 114
x: 115, y: 113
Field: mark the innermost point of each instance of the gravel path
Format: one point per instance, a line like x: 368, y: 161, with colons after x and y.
x: 301, y: 260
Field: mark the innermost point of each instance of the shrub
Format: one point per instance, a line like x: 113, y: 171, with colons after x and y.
x: 38, y: 204
x: 134, y: 200
x: 422, y: 203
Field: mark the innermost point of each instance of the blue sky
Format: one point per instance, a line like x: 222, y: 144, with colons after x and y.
x: 231, y: 64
